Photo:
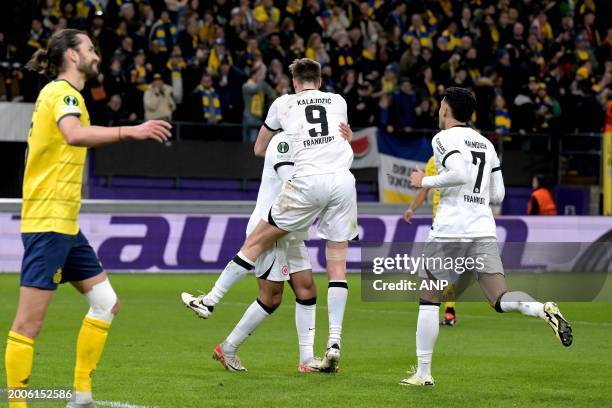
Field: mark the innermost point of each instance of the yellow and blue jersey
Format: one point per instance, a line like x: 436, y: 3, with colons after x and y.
x: 54, y: 169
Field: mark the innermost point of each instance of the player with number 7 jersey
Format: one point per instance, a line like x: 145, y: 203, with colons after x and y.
x: 463, y: 210
x: 469, y: 178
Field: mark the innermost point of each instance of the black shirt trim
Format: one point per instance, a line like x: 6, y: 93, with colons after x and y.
x: 448, y: 154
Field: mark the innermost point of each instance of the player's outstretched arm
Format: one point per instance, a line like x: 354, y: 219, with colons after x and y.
x: 418, y: 201
x: 456, y: 175
x: 90, y: 136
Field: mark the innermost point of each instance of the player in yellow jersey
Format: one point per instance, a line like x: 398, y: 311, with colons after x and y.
x: 55, y: 250
x: 450, y: 315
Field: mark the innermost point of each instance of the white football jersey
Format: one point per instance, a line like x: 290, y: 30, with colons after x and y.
x: 463, y: 211
x: 311, y: 119
x: 278, y: 154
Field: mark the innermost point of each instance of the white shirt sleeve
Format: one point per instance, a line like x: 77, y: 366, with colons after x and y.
x: 497, y: 190
x: 344, y: 108
x: 280, y: 157
x: 285, y: 172
x: 455, y: 175
x: 272, y: 122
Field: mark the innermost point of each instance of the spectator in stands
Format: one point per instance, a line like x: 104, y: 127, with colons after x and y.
x: 362, y: 108
x: 541, y: 201
x: 158, y: 101
x: 493, y: 47
x: 176, y: 66
x: 218, y: 54
x: 316, y: 50
x: 425, y: 116
x: 547, y: 109
x: 254, y: 93
x: 503, y: 123
x: 405, y: 101
x: 114, y: 112
x: 115, y: 82
x: 164, y: 31
x: 207, y: 100
x: 139, y: 78
x: 229, y: 87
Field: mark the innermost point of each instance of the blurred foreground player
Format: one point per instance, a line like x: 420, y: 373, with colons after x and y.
x: 55, y: 250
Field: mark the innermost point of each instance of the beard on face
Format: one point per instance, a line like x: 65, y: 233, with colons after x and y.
x: 90, y: 68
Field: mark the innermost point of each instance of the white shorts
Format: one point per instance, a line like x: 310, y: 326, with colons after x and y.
x: 331, y: 197
x: 283, y: 259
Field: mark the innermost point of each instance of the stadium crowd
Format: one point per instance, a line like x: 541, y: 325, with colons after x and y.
x: 535, y: 66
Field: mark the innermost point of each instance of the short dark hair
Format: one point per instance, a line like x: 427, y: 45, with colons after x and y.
x: 461, y: 101
x: 305, y: 70
x: 50, y: 61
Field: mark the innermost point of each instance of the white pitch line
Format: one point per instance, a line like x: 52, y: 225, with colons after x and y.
x: 118, y: 404
x: 112, y: 404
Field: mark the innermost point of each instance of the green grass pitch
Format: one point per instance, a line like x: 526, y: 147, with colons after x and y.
x: 159, y: 354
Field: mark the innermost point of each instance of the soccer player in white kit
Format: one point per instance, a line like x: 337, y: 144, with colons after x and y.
x: 322, y: 186
x: 469, y: 178
x: 287, y: 260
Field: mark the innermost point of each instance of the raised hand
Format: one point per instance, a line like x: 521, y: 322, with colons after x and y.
x: 158, y: 130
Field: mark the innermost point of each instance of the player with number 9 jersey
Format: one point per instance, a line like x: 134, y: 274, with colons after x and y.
x: 311, y: 119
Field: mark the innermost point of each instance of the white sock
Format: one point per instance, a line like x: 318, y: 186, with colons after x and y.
x: 305, y: 318
x: 232, y: 273
x: 337, y: 293
x: 426, y: 335
x: 83, y: 397
x: 255, y: 314
x: 522, y: 302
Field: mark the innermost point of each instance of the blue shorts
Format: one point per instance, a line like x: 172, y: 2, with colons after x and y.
x: 52, y: 258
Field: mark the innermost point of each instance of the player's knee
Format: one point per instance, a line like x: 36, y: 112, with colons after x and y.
x: 29, y: 328
x: 271, y: 298
x: 270, y: 304
x: 103, y: 302
x: 305, y: 290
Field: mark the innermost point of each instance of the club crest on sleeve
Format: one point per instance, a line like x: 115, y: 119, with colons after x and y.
x: 283, y: 147
x: 71, y: 100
